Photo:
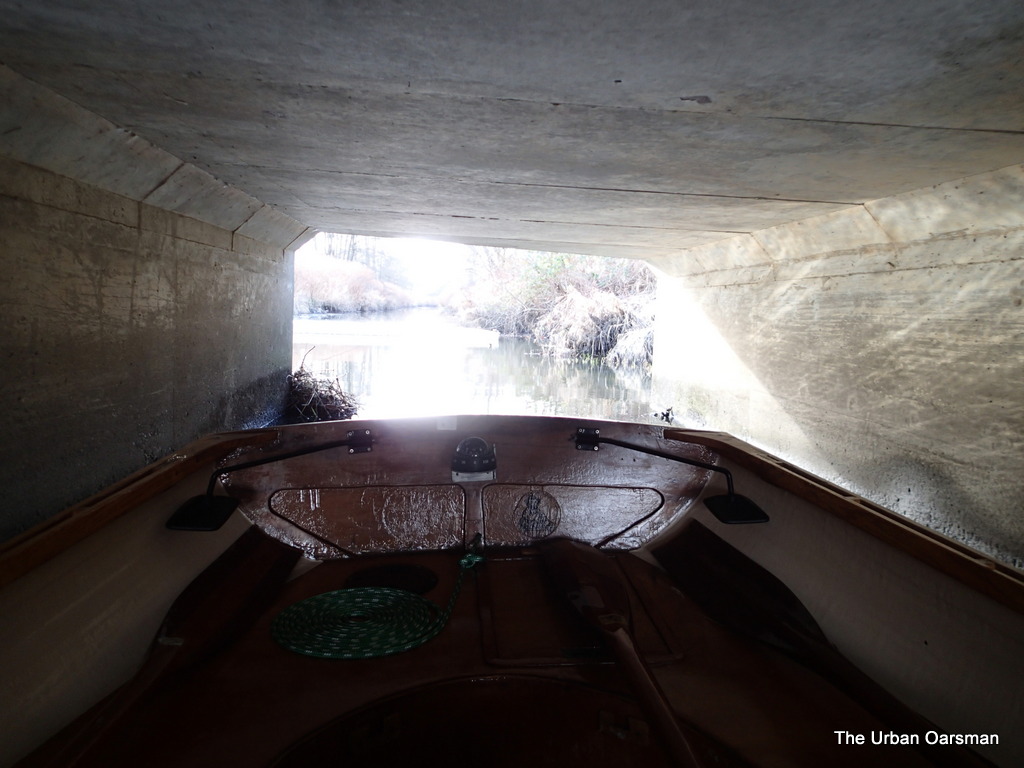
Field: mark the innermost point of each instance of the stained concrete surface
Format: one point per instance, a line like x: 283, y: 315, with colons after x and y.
x: 630, y: 129
x: 832, y: 191
x: 128, y: 332
x: 882, y: 349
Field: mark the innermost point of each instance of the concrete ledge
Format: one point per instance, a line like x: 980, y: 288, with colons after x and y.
x: 67, y: 196
x: 162, y: 222
x: 36, y: 185
x: 853, y: 228
x: 879, y: 236
x: 306, y: 235
x: 42, y: 131
x: 65, y: 230
x: 988, y: 201
x: 248, y: 246
x: 978, y: 248
x: 742, y: 251
x: 193, y: 192
x: 271, y: 226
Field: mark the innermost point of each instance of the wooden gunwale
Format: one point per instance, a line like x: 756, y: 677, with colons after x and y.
x: 974, y: 569
x: 55, y: 535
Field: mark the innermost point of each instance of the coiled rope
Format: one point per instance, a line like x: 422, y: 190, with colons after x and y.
x: 364, y: 622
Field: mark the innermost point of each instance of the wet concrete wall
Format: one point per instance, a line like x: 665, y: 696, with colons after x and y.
x: 880, y: 347
x: 129, y: 330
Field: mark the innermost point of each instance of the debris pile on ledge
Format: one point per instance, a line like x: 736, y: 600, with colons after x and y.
x: 315, y: 399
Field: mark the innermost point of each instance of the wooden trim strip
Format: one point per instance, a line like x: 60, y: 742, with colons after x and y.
x: 974, y: 569
x: 45, y: 541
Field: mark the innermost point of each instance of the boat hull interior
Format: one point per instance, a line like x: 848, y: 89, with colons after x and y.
x: 585, y: 607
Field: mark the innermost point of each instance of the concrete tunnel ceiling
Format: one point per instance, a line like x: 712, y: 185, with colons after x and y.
x: 621, y: 129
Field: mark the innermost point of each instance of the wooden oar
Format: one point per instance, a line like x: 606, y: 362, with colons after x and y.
x: 589, y: 580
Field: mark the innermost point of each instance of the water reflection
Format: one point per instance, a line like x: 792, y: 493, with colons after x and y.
x: 419, y: 363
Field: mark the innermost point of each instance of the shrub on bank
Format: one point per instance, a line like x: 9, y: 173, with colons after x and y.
x: 578, y: 306
x: 326, y: 285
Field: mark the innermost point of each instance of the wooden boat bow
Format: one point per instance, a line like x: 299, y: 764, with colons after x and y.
x: 617, y: 620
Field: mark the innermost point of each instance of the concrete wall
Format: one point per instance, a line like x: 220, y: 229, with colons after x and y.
x: 881, y: 348
x: 129, y: 331
x: 143, y: 303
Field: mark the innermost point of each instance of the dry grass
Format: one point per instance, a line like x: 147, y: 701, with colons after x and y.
x: 576, y: 306
x: 633, y: 348
x: 600, y: 324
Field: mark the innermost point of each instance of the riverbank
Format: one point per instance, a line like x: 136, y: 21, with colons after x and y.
x: 328, y: 285
x: 583, y: 307
x: 422, y: 363
x: 570, y: 306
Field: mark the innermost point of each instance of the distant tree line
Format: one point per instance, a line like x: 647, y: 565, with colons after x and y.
x: 348, y: 273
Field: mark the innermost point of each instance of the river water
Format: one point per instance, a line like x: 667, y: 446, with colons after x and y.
x: 421, y: 363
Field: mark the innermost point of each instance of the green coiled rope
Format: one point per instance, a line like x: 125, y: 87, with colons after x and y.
x: 364, y: 622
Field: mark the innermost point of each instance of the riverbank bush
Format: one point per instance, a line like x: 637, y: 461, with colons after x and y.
x: 324, y: 284
x: 579, y: 306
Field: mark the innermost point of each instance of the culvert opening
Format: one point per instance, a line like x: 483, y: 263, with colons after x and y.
x: 416, y: 327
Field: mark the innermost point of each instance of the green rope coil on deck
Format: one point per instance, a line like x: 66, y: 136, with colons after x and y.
x: 365, y: 622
